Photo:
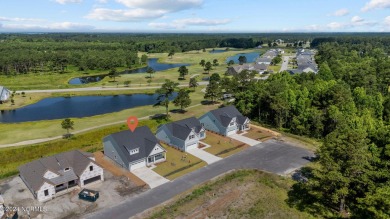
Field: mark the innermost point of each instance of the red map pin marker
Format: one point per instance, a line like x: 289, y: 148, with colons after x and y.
x: 132, y: 122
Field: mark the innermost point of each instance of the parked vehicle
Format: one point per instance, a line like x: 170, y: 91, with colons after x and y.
x: 89, y: 195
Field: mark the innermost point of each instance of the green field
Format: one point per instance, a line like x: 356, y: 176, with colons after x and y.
x: 51, y: 80
x: 241, y: 194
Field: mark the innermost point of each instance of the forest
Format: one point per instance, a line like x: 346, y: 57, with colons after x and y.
x: 347, y: 107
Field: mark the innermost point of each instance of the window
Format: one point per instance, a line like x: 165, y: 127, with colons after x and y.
x: 134, y: 151
x: 90, y: 168
x: 231, y: 124
x: 191, y: 137
x: 46, y: 192
x: 67, y: 169
x: 114, y: 157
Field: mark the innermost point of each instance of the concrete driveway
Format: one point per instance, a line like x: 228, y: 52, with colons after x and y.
x: 149, y: 177
x: 203, y: 155
x: 273, y: 156
x: 243, y: 139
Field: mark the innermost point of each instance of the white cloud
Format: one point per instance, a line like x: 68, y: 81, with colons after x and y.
x: 357, y: 19
x: 313, y: 27
x: 104, y: 14
x: 63, y: 2
x: 340, y: 13
x: 376, y: 4
x: 62, y: 26
x: 183, y: 23
x: 166, y: 5
x: 138, y: 10
x: 387, y: 21
x: 18, y: 19
x: 336, y: 25
x: 102, y: 1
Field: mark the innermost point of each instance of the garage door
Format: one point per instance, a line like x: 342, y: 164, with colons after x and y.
x: 192, y: 146
x: 137, y: 165
x: 91, y: 180
x: 232, y: 132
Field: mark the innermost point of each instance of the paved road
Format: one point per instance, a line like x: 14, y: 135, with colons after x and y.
x: 285, y: 63
x: 271, y: 156
x: 81, y: 89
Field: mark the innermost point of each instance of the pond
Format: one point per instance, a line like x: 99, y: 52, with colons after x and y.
x: 153, y: 63
x: 250, y: 57
x: 76, y: 107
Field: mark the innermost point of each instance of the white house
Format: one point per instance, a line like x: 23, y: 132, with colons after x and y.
x: 5, y: 94
x: 48, y: 176
x: 183, y: 134
x: 132, y: 150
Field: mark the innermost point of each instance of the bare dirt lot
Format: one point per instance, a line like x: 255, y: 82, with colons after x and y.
x: 112, y: 191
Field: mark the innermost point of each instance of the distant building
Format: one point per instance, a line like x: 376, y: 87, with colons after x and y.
x: 305, y: 62
x: 258, y: 67
x: 5, y: 94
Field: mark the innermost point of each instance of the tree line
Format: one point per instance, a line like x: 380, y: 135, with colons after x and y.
x: 347, y: 106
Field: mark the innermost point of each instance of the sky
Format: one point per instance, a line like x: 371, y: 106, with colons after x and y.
x: 194, y: 16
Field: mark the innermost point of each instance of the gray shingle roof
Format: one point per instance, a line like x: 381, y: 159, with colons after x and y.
x: 34, y: 171
x: 182, y: 128
x: 226, y: 114
x: 125, y: 141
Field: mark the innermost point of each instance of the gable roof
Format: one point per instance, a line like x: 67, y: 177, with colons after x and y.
x: 4, y: 93
x: 227, y: 113
x: 182, y: 128
x: 34, y: 171
x: 125, y: 141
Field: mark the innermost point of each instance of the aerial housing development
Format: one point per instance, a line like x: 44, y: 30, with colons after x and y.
x: 194, y: 109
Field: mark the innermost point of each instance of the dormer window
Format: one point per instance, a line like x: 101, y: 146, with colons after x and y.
x: 134, y: 151
x: 231, y: 124
x: 192, y: 137
x: 66, y: 169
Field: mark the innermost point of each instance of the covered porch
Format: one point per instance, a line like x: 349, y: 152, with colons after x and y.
x: 156, y: 158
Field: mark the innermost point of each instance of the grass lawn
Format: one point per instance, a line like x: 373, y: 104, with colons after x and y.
x: 240, y: 194
x: 257, y: 134
x: 222, y: 146
x: 88, y: 141
x: 17, y: 132
x: 175, y: 167
x: 275, y: 68
x: 53, y: 80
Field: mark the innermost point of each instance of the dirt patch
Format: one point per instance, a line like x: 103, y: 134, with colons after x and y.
x: 116, y: 170
x: 127, y: 188
x: 259, y: 134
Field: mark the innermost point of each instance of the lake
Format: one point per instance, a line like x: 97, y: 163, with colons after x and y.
x: 153, y: 63
x: 76, y: 107
x: 250, y: 57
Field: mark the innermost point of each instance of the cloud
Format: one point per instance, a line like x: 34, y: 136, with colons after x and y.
x: 387, y: 21
x: 63, y: 2
x: 376, y: 4
x: 61, y: 26
x: 340, y: 13
x: 183, y: 23
x: 18, y: 19
x: 102, y: 1
x: 104, y: 14
x: 313, y: 27
x: 357, y: 19
x: 166, y: 5
x: 138, y: 10
x: 336, y: 25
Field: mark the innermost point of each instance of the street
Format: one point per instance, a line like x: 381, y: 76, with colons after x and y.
x: 271, y: 156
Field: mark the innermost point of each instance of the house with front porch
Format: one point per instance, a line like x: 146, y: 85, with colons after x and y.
x: 225, y: 121
x: 51, y: 176
x: 183, y: 134
x: 132, y: 150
